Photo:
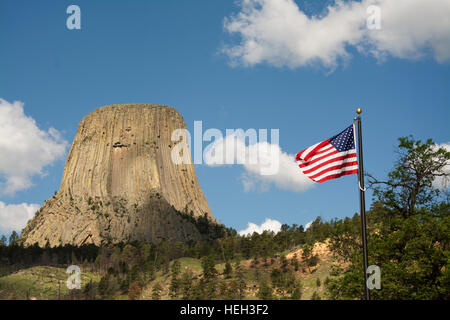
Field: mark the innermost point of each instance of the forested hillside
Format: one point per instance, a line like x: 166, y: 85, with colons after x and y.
x: 408, y: 238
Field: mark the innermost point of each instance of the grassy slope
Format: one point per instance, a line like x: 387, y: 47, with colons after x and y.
x: 39, y: 282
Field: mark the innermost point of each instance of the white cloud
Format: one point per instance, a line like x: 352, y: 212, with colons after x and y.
x: 288, y: 177
x: 308, y: 225
x: 15, y: 216
x: 443, y: 182
x: 24, y: 149
x: 268, y: 224
x: 279, y: 33
x: 264, y: 164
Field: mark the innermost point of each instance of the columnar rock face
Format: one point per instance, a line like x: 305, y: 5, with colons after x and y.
x: 120, y: 183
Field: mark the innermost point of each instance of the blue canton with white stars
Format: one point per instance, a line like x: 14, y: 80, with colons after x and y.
x: 344, y: 141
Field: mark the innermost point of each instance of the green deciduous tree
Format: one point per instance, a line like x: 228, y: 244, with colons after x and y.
x: 408, y: 231
x: 410, y: 185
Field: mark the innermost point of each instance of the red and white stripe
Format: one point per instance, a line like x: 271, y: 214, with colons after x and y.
x: 322, y: 162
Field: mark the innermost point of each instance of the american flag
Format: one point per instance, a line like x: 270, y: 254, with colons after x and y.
x: 330, y: 159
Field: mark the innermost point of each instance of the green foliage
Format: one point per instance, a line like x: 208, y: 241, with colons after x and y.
x: 308, y: 257
x: 174, y: 289
x: 296, y: 294
x: 228, y: 270
x: 283, y: 280
x: 239, y: 284
x: 156, y: 291
x: 208, y: 265
x: 134, y: 292
x: 265, y: 292
x: 229, y: 248
x: 408, y: 232
x: 316, y: 296
x: 186, y: 285
x: 284, y: 262
x: 294, y: 262
x: 43, y: 282
x: 3, y: 241
x: 227, y: 290
x: 208, y: 229
x: 13, y: 238
x: 89, y: 291
x: 107, y: 286
x: 409, y: 186
x: 175, y: 268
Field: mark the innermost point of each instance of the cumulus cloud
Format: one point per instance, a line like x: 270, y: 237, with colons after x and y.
x: 443, y: 182
x: 15, y: 216
x: 279, y: 33
x: 264, y: 163
x: 268, y: 224
x: 24, y: 148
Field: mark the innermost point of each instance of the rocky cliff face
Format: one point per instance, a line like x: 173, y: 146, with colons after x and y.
x: 120, y: 184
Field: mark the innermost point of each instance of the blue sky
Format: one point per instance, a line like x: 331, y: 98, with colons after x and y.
x: 174, y: 53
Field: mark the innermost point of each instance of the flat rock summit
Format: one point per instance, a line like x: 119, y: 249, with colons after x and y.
x: 120, y: 184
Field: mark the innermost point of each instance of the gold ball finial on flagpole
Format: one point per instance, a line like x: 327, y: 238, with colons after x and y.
x: 359, y: 111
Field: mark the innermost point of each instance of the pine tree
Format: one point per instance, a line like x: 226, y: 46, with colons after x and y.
x: 175, y: 268
x: 265, y: 292
x: 241, y: 285
x: 284, y: 263
x: 296, y: 294
x: 228, y: 270
x: 74, y: 259
x: 315, y: 296
x: 186, y: 283
x: 156, y: 291
x: 3, y: 241
x: 103, y: 285
x: 208, y: 265
x: 89, y: 291
x: 174, y: 288
x: 13, y: 238
x: 308, y: 257
x: 134, y: 292
x: 211, y: 289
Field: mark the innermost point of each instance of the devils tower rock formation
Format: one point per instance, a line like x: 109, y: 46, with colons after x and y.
x: 120, y: 184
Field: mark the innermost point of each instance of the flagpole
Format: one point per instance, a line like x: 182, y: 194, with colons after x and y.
x: 362, y: 201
